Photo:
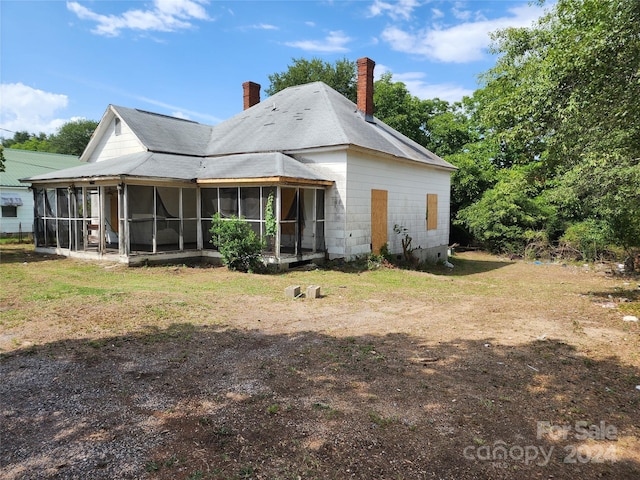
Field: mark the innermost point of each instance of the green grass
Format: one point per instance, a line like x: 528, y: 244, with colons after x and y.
x: 115, y: 299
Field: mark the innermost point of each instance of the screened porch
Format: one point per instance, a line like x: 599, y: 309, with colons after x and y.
x: 136, y: 220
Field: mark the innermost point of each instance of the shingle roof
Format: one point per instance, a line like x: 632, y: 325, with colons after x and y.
x: 254, y: 143
x: 181, y: 167
x: 161, y: 133
x: 297, y: 118
x: 25, y: 163
x: 311, y: 116
x: 256, y: 165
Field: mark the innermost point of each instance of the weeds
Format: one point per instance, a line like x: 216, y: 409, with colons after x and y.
x: 381, y: 421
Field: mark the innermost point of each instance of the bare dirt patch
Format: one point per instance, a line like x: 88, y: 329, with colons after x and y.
x: 192, y: 373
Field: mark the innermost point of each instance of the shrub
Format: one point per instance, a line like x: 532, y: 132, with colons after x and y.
x: 238, y: 244
x: 591, y: 238
x: 507, y: 214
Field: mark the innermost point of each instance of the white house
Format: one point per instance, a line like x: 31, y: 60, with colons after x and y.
x: 341, y: 180
x: 16, y: 200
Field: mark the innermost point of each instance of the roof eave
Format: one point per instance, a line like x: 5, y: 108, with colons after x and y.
x: 279, y: 180
x: 381, y: 154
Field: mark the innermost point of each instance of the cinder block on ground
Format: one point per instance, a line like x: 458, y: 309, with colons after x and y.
x: 292, y: 291
x: 313, y: 291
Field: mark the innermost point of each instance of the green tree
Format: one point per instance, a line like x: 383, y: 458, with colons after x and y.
x: 564, y: 99
x: 18, y: 137
x: 36, y: 143
x: 570, y: 85
x: 603, y: 188
x: 396, y: 107
x: 435, y: 124
x: 508, y: 214
x: 72, y: 138
x: 341, y: 76
x: 1, y: 158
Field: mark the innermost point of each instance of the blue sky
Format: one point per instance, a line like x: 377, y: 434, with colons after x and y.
x: 62, y: 60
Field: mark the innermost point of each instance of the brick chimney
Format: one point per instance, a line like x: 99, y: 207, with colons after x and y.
x: 251, y: 94
x: 365, y: 87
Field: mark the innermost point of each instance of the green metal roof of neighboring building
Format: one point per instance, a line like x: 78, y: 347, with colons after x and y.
x: 26, y: 163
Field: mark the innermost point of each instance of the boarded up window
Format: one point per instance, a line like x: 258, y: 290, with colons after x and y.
x: 378, y: 220
x: 432, y: 211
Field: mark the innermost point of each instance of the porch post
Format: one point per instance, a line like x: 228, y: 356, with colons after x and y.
x: 278, y: 202
x: 314, y: 220
x: 70, y: 198
x: 121, y: 237
x: 155, y: 221
x: 85, y: 231
x: 125, y: 221
x: 101, y: 222
x: 34, y: 229
x: 181, y: 228
x: 200, y: 243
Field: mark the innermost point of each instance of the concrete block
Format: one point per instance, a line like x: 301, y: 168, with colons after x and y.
x: 292, y: 291
x: 313, y: 291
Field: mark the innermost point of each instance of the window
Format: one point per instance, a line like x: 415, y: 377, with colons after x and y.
x: 432, y: 211
x: 117, y: 127
x: 228, y: 202
x: 9, y: 212
x: 209, y: 207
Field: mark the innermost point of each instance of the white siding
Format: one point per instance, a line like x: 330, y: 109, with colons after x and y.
x: 112, y: 145
x: 408, y: 185
x: 348, y: 202
x: 332, y: 166
x: 24, y: 220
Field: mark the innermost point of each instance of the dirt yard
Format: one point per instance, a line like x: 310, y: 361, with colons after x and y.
x: 495, y: 370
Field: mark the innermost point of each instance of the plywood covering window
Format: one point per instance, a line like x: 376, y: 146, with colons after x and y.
x: 379, y: 228
x: 432, y: 211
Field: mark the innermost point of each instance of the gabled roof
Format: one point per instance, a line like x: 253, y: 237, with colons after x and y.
x: 26, y: 163
x: 164, y: 134
x: 267, y: 166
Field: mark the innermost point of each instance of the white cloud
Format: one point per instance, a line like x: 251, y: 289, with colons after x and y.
x: 462, y: 43
x: 259, y: 26
x: 335, y: 42
x: 181, y: 115
x: 178, y: 112
x: 265, y: 26
x: 401, y: 9
x: 165, y: 16
x: 460, y: 12
x: 444, y: 91
x: 26, y: 108
x: 436, y: 13
x: 418, y: 86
